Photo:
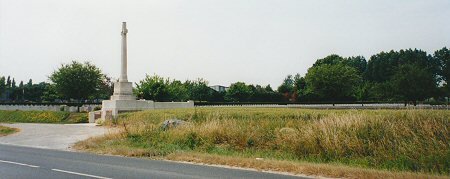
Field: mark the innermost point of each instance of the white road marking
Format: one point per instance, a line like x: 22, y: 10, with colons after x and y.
x: 81, y: 174
x: 17, y: 163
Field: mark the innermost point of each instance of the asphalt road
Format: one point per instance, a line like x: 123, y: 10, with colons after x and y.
x: 24, y: 162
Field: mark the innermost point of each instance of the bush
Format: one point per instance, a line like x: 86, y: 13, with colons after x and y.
x: 77, y: 118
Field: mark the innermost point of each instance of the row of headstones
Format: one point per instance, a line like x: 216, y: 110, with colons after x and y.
x: 84, y: 108
x: 355, y: 105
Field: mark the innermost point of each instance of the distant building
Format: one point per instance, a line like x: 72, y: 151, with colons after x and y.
x: 219, y: 88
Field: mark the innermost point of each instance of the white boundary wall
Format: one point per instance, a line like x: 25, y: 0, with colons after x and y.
x: 173, y: 105
x: 84, y: 108
x: 336, y: 106
x: 112, y: 108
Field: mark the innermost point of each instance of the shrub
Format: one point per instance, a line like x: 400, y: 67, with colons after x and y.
x: 97, y: 108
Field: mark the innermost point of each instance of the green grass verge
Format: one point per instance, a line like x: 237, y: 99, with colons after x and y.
x: 394, y: 140
x: 4, y: 131
x: 42, y: 117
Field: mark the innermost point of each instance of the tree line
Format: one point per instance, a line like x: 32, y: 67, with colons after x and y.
x: 10, y: 91
x: 409, y: 75
x: 73, y: 82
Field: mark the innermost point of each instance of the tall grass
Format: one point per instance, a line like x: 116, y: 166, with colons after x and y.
x: 399, y: 140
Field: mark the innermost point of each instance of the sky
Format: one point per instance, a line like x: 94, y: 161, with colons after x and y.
x: 222, y: 41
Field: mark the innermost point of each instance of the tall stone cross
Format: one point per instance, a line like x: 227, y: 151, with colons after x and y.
x: 123, y: 74
x: 123, y: 90
x: 123, y: 99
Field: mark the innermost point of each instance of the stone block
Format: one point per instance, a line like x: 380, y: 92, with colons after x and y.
x: 123, y: 91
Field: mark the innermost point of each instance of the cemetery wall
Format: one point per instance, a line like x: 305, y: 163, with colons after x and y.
x: 84, y: 108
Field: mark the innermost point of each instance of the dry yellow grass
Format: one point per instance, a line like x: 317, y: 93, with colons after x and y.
x: 4, y: 131
x: 303, y: 168
x: 398, y: 143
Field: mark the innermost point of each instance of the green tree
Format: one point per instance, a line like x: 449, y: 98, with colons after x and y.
x: 163, y: 89
x: 443, y: 57
x: 444, y: 91
x: 287, y: 88
x: 238, y: 92
x: 30, y: 83
x: 329, y: 60
x: 6, y: 89
x: 2, y: 86
x: 198, y: 90
x: 49, y: 93
x: 8, y: 82
x: 77, y: 80
x: 264, y: 94
x: 363, y: 91
x: 153, y: 88
x: 333, y: 82
x: 216, y: 96
x: 14, y: 91
x: 358, y: 62
x: 34, y: 92
x: 13, y: 83
x: 268, y: 88
x: 106, y: 88
x: 413, y: 83
x: 20, y: 91
x: 299, y: 87
x: 381, y: 66
x: 177, y: 91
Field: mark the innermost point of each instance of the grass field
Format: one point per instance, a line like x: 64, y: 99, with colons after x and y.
x: 337, y: 143
x: 42, y: 117
x: 4, y: 131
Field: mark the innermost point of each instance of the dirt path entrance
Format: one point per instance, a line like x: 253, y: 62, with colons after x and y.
x: 51, y: 136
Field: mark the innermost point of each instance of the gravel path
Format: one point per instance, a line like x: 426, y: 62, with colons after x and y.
x: 51, y: 136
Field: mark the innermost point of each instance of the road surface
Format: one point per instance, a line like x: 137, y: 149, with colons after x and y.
x: 25, y: 162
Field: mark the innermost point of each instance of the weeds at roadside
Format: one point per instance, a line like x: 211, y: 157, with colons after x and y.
x: 4, y: 131
x: 394, y: 140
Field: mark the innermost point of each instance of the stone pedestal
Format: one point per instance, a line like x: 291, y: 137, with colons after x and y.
x: 111, y: 108
x: 123, y: 91
x: 123, y: 99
